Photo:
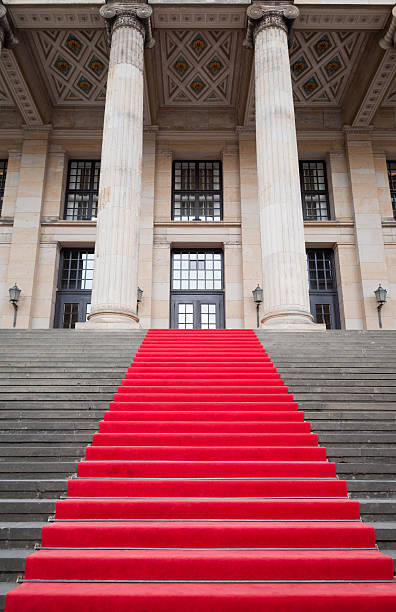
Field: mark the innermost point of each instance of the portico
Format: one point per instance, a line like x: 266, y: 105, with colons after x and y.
x: 251, y: 131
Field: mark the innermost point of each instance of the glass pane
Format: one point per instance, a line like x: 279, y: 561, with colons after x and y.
x: 199, y: 270
x: 323, y: 314
x: 208, y: 316
x: 185, y: 316
x: 201, y: 184
x: 77, y: 269
x: 70, y: 315
x: 82, y: 190
x: 314, y: 191
x: 321, y: 270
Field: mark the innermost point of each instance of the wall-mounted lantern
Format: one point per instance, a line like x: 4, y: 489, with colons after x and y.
x: 380, y: 296
x: 139, y: 298
x: 258, y: 298
x: 14, y: 292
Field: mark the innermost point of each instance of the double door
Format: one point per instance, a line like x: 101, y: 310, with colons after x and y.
x: 197, y: 311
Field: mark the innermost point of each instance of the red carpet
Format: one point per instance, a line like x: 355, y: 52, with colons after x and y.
x: 205, y: 490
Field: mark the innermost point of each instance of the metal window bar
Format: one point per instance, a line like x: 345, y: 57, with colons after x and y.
x: 314, y: 190
x: 197, y: 191
x: 81, y: 202
x: 392, y: 184
x: 321, y: 271
x: 195, y: 270
x: 3, y: 176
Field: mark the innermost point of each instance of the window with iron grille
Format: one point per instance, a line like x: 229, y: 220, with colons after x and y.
x: 3, y: 175
x: 82, y: 190
x: 194, y: 270
x: 77, y: 269
x: 321, y: 271
x: 197, y: 191
x: 314, y: 191
x: 392, y: 184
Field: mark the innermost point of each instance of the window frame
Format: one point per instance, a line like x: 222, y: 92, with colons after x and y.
x: 392, y: 190
x: 305, y: 192
x: 87, y: 250
x: 91, y: 192
x: 216, y: 251
x: 3, y: 181
x: 196, y: 192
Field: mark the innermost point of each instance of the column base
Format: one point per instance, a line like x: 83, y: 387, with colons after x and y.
x: 109, y: 321
x: 292, y: 321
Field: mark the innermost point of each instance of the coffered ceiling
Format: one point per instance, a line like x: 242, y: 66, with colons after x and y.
x: 199, y: 67
x: 198, y: 61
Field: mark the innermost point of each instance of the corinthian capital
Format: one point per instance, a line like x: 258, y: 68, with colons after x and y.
x: 261, y: 16
x: 7, y: 38
x: 127, y: 15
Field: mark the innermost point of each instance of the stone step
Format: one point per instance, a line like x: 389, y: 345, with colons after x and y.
x: 342, y: 425
x: 385, y: 534
x: 38, y: 488
x: 357, y: 439
x: 74, y: 381
x: 12, y: 563
x: 36, y: 469
x: 368, y: 489
x: 341, y: 396
x: 54, y: 438
x: 61, y: 404
x: 361, y: 470
x: 317, y: 416
x: 23, y: 425
x: 357, y: 406
x: 27, y: 416
x: 52, y: 453
x: 4, y: 588
x: 14, y: 510
x: 21, y: 534
x: 370, y: 454
x: 67, y: 396
x: 377, y: 509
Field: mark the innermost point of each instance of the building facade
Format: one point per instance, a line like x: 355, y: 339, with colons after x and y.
x: 195, y: 150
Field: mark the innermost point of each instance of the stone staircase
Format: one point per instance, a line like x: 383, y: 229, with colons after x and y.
x: 54, y: 388
x: 345, y: 382
x: 56, y: 384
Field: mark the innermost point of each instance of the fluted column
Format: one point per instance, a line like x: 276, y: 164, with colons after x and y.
x: 285, y: 282
x: 117, y: 242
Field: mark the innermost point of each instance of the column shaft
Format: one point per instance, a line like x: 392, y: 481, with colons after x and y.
x: 117, y: 242
x: 285, y: 282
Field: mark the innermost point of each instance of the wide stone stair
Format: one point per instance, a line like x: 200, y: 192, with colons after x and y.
x: 345, y: 382
x: 54, y: 388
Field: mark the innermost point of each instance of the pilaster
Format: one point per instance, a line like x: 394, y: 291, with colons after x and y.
x: 24, y: 251
x: 368, y: 225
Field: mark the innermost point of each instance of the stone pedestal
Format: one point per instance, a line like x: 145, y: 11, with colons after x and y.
x: 285, y: 281
x: 117, y: 245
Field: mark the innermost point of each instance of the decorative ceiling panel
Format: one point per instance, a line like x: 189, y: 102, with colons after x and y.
x: 322, y: 64
x: 199, y: 67
x: 75, y: 65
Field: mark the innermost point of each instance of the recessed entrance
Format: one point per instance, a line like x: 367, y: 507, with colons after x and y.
x: 73, y: 298
x: 323, y: 287
x: 197, y: 289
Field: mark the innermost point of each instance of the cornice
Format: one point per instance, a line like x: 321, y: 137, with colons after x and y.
x: 197, y: 224
x: 184, y: 15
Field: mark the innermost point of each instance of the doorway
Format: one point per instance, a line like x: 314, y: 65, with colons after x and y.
x: 197, y: 289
